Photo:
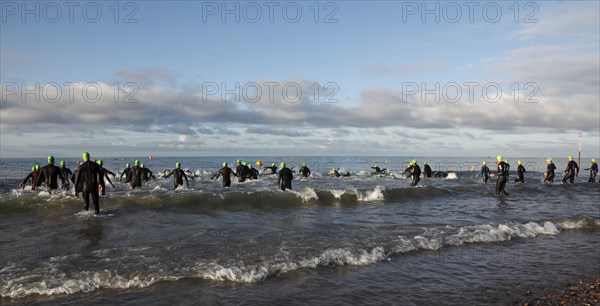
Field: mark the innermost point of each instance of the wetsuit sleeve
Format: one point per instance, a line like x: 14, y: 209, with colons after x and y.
x: 108, y: 172
x: 39, y: 179
x: 172, y: 171
x: 68, y: 171
x: 27, y: 177
x: 77, y: 178
x: 108, y: 178
x: 308, y: 170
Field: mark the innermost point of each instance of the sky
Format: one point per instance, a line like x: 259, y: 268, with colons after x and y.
x: 389, y: 78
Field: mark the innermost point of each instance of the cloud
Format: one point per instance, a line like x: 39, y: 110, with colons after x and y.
x: 262, y: 130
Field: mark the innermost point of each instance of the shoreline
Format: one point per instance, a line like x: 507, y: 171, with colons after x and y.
x: 580, y: 292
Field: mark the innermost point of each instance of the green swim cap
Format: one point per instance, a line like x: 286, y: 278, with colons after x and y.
x: 243, y: 163
x: 483, y: 163
x: 99, y: 162
x: 272, y: 164
x: 224, y: 164
x: 332, y: 169
x: 414, y: 161
x: 37, y: 167
x: 85, y: 155
x: 570, y: 157
x: 50, y: 159
x: 237, y: 161
x: 424, y: 163
x: 177, y: 165
x: 593, y: 160
x: 32, y: 168
x: 519, y: 162
x: 282, y: 164
x: 304, y: 164
x: 127, y: 165
x: 62, y: 162
x: 142, y: 165
x: 549, y: 159
x: 250, y: 166
x: 137, y: 162
x: 506, y: 161
x: 499, y: 157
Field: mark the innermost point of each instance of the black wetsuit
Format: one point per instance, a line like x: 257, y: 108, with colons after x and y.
x: 90, y: 176
x: 78, y: 188
x: 135, y: 177
x: 520, y: 174
x: 49, y: 175
x: 570, y: 171
x: 440, y: 174
x: 550, y: 173
x: 507, y: 169
x: 415, y: 173
x: 593, y: 172
x: 272, y: 168
x: 335, y: 173
x: 485, y: 173
x: 285, y: 178
x: 242, y: 172
x: 252, y: 173
x: 502, y: 177
x: 304, y: 171
x: 125, y: 173
x: 147, y: 174
x: 178, y: 176
x: 66, y: 172
x: 226, y: 173
x: 33, y: 178
x: 105, y: 173
x: 378, y: 170
x: 427, y: 170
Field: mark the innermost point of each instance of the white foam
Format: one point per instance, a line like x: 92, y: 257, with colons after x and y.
x: 371, y: 195
x: 306, y: 194
x: 451, y: 176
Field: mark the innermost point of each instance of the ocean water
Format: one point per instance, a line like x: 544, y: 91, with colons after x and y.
x: 363, y: 239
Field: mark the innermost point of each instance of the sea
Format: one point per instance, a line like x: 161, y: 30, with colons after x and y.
x: 366, y: 239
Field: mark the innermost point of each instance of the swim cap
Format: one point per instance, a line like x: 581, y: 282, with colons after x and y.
x: 499, y: 157
x: 127, y: 165
x: 137, y: 162
x: 506, y: 161
x: 37, y: 166
x: 224, y: 164
x: 282, y: 164
x: 237, y: 161
x: 424, y: 163
x: 304, y: 164
x: 243, y: 163
x: 414, y: 161
x: 272, y: 164
x: 177, y: 165
x: 570, y: 157
x: 32, y: 168
x: 332, y: 169
x: 142, y: 165
x: 85, y: 155
x: 549, y: 159
x: 50, y: 159
x: 62, y: 162
x: 519, y: 162
x: 250, y: 166
x: 593, y: 161
x: 483, y: 163
x: 99, y: 162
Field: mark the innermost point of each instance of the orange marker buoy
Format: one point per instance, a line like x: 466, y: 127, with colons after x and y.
x: 150, y: 157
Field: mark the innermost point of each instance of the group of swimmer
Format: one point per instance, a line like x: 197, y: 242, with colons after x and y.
x: 90, y: 176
